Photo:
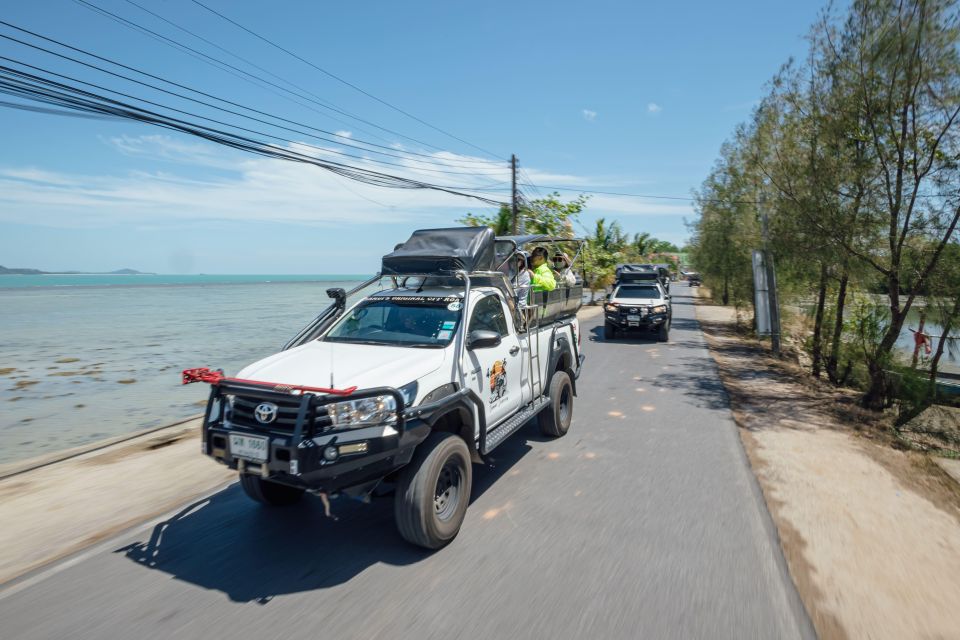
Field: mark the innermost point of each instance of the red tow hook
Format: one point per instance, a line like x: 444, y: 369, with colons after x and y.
x: 204, y: 374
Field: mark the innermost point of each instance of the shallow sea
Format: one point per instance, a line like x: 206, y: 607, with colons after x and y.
x: 88, y: 357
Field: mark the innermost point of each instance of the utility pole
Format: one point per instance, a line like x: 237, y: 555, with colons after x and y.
x: 515, y: 229
x: 771, y: 277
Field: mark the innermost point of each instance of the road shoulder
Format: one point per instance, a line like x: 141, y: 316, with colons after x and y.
x: 58, y: 509
x: 871, y: 536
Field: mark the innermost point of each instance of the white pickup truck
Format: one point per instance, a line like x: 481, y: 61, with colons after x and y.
x: 638, y: 306
x: 407, y: 387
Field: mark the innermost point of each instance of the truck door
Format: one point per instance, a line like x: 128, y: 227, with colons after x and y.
x: 494, y: 372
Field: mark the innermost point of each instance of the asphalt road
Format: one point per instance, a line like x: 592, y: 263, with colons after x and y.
x: 643, y: 522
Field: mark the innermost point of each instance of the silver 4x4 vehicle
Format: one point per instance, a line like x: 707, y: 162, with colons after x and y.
x: 638, y: 305
x: 434, y: 366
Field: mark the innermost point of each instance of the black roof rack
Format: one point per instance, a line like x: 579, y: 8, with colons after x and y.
x: 442, y: 252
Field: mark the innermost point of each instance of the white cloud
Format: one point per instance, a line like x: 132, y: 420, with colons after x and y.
x: 589, y: 115
x: 246, y: 188
x: 654, y: 108
x: 344, y: 134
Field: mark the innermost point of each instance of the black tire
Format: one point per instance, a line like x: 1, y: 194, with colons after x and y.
x: 433, y: 492
x: 555, y: 419
x: 271, y: 493
x: 663, y: 334
x: 609, y: 332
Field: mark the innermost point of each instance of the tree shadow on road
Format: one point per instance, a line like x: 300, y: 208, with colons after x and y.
x: 252, y: 552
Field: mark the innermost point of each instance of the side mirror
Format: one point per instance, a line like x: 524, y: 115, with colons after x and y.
x: 482, y: 339
x: 339, y: 297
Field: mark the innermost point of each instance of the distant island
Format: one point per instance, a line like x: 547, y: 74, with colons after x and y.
x: 4, y: 271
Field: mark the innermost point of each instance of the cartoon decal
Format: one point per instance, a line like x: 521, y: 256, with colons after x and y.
x: 497, y: 375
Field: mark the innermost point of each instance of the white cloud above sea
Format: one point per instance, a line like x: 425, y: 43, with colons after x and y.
x: 201, y: 181
x: 589, y: 115
x: 653, y: 108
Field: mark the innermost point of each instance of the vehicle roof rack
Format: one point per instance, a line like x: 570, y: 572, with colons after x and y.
x: 442, y: 252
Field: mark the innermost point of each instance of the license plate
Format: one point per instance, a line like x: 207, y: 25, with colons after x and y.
x: 249, y: 447
x: 633, y: 318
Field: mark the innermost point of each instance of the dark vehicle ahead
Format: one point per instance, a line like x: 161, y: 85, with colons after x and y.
x: 627, y: 273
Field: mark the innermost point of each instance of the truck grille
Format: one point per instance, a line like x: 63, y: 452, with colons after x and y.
x: 286, y: 420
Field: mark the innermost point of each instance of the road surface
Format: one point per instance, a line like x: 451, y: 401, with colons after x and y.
x: 643, y: 522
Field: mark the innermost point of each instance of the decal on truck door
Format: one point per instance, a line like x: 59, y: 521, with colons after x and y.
x: 497, y: 374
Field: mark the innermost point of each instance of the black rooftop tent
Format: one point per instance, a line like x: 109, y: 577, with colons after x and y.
x: 442, y: 251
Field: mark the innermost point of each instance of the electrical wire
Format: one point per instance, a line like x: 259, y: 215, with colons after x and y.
x: 392, y: 152
x: 345, y: 82
x: 36, y: 88
x: 226, y: 66
x: 230, y: 111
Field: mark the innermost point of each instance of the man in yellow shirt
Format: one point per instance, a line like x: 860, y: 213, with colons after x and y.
x: 541, y: 276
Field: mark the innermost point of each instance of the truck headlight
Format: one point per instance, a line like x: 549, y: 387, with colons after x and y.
x: 660, y: 309
x: 363, y: 412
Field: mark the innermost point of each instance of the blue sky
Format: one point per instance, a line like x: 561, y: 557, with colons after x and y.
x: 632, y: 97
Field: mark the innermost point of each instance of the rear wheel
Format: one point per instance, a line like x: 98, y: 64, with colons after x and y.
x: 271, y: 493
x: 555, y: 419
x: 433, y: 491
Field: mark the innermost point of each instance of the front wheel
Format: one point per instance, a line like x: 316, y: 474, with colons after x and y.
x: 433, y: 491
x: 555, y: 419
x: 609, y: 331
x: 271, y: 493
x: 664, y: 333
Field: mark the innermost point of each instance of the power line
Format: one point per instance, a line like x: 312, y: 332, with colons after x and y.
x: 617, y: 193
x: 44, y: 90
x: 54, y: 112
x: 249, y: 77
x: 207, y: 104
x: 342, y: 81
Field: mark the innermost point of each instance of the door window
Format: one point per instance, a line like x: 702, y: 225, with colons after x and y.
x: 488, y: 316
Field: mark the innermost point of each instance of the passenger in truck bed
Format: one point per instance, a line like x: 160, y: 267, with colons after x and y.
x: 541, y: 277
x: 562, y: 269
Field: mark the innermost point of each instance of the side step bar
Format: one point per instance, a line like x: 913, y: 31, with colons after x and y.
x: 512, y: 425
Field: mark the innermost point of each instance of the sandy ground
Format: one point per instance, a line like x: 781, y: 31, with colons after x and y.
x: 53, y: 511
x: 871, y: 534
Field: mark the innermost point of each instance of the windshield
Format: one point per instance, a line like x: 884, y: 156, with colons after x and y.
x: 402, y: 321
x: 635, y: 292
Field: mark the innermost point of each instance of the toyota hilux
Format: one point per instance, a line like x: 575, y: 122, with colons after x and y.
x: 434, y: 367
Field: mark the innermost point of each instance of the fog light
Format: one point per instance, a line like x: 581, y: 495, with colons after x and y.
x: 330, y: 453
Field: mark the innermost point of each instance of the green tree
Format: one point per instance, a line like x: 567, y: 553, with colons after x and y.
x: 547, y: 216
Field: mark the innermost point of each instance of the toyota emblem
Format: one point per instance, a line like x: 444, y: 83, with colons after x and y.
x: 266, y: 412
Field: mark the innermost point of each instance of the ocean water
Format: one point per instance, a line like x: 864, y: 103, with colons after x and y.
x: 83, y: 358
x: 150, y: 279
